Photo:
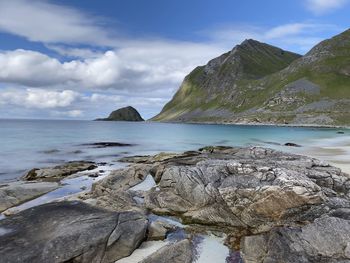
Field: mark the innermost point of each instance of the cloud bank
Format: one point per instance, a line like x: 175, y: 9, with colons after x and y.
x: 97, y: 68
x: 320, y: 7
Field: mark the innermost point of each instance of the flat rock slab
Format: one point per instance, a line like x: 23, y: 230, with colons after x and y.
x: 15, y: 193
x: 70, y: 232
x: 60, y: 171
x: 179, y: 252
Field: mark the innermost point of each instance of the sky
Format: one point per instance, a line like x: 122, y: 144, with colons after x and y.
x: 82, y: 59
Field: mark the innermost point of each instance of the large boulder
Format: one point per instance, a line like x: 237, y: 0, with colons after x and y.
x: 247, y: 188
x: 70, y: 232
x: 58, y: 172
x: 15, y: 193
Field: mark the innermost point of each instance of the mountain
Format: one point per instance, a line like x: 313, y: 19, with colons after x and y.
x: 124, y: 114
x: 259, y: 83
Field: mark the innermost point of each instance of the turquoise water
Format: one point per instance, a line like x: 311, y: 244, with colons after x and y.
x: 26, y: 144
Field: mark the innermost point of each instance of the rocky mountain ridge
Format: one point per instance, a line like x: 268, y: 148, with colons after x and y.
x: 259, y: 83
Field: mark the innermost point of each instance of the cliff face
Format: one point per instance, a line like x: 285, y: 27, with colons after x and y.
x: 259, y: 83
x: 124, y: 114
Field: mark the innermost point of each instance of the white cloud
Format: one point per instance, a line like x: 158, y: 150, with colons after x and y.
x: 320, y: 7
x: 72, y: 104
x: 134, y: 66
x: 287, y: 30
x: 297, y: 37
x: 140, y: 72
x: 37, y: 98
x: 70, y: 113
x: 49, y: 23
x: 31, y: 68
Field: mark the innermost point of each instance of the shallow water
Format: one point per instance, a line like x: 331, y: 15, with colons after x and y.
x: 26, y: 144
x: 77, y: 183
x: 211, y: 249
x: 145, y: 185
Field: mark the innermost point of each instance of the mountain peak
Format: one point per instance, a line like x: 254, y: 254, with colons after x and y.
x: 259, y: 83
x: 249, y: 42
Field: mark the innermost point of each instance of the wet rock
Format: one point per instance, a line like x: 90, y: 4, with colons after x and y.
x: 179, y: 252
x: 70, y: 232
x: 15, y: 193
x: 291, y: 144
x: 52, y: 151
x: 58, y: 172
x: 107, y: 144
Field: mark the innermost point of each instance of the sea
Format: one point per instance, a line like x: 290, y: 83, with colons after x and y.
x: 27, y: 144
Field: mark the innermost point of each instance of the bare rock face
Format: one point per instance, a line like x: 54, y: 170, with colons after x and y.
x: 157, y: 230
x: 111, y: 192
x: 252, y: 188
x: 60, y: 171
x: 272, y: 206
x: 70, y: 232
x: 15, y: 193
x: 324, y: 240
x: 179, y: 252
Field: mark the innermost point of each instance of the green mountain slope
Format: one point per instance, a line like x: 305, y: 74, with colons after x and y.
x: 258, y: 83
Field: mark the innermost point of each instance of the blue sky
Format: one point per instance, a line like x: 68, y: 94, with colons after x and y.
x: 82, y: 59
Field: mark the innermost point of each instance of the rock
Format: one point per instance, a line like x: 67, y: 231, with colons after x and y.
x: 340, y: 132
x: 59, y: 172
x: 291, y: 144
x: 124, y: 114
x: 70, y: 232
x: 270, y: 204
x: 148, y: 159
x: 107, y: 144
x: 180, y: 252
x: 158, y: 230
x: 15, y: 193
x: 51, y: 151
x: 324, y: 240
x: 249, y: 188
x: 112, y: 191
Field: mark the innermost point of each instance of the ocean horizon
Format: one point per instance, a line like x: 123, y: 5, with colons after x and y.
x: 28, y: 144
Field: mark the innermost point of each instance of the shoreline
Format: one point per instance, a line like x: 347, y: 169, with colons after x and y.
x: 258, y: 124
x: 117, y: 191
